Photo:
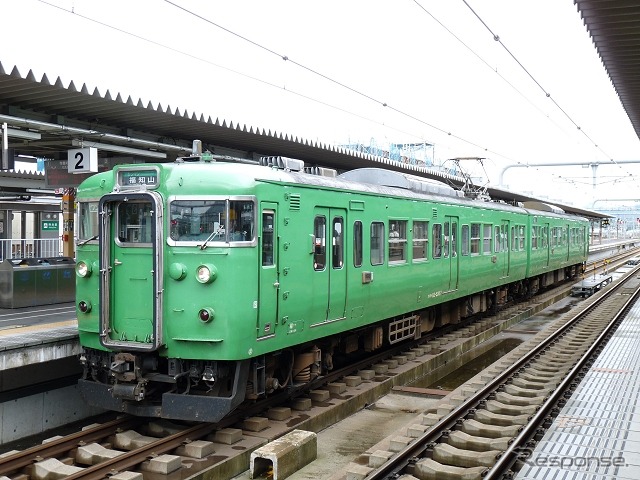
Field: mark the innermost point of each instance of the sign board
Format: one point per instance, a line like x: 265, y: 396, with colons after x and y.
x: 56, y: 172
x: 82, y: 160
x: 50, y: 225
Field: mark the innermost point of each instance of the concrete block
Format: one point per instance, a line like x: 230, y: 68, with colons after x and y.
x: 416, y: 430
x: 196, y: 449
x: 51, y: 439
x: 90, y: 426
x: 319, y: 395
x: 444, y: 409
x: 357, y: 472
x: 53, y: 469
x: 9, y: 453
x: 127, y: 476
x: 418, y: 351
x: 473, y: 427
x: 480, y: 444
x: 336, y: 388
x: 366, y: 374
x: 379, y: 457
x: 353, y: 380
x: 286, y: 455
x: 164, y: 464
x: 255, y: 424
x: 380, y: 368
x: 429, y: 468
x: 450, y: 455
x: 301, y: 404
x: 430, y: 419
x: 498, y: 419
x: 131, y: 440
x: 163, y: 429
x: 398, y: 442
x: 227, y: 436
x: 401, y: 359
x: 410, y: 355
x: 504, y: 409
x: 279, y: 413
x: 509, y: 399
x: 391, y: 363
x: 95, y: 453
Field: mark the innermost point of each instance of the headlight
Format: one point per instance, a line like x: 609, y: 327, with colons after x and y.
x: 83, y: 269
x: 206, y: 273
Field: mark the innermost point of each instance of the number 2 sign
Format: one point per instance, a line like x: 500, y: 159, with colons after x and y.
x: 82, y: 160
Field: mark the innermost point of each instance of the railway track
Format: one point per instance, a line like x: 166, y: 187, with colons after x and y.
x: 486, y: 434
x: 127, y: 444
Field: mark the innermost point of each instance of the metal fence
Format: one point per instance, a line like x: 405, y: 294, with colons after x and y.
x: 30, y: 248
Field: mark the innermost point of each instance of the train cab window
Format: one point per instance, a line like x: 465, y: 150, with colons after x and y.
x: 486, y: 239
x: 357, y: 243
x: 241, y: 225
x: 377, y: 243
x: 337, y: 257
x: 475, y: 239
x: 268, y: 244
x: 134, y: 222
x: 88, y: 225
x: 319, y: 242
x: 397, y: 241
x: 420, y: 240
x: 464, y: 238
x: 436, y: 235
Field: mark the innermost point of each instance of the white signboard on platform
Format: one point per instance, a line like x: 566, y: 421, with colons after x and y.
x: 82, y: 160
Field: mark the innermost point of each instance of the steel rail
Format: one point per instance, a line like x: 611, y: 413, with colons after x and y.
x: 27, y: 457
x: 393, y: 467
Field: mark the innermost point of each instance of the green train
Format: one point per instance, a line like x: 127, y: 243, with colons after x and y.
x: 204, y: 284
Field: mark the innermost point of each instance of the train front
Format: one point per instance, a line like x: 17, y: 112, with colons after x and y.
x: 166, y: 289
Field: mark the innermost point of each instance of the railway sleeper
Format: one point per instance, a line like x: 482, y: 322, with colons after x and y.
x: 465, y: 441
x: 504, y: 409
x: 52, y: 469
x: 529, y: 384
x: 542, y: 379
x: 429, y: 469
x: 527, y: 392
x: 500, y: 419
x: 450, y: 455
x: 477, y: 428
x: 510, y: 399
x: 95, y: 453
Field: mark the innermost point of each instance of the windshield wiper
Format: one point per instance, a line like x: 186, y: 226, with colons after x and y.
x: 209, y: 238
x: 87, y: 240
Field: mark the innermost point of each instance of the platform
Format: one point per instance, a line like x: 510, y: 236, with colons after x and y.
x: 596, y: 436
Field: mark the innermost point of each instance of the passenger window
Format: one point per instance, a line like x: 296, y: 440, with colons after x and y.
x: 475, y: 239
x: 268, y: 222
x: 397, y: 241
x: 377, y: 243
x: 357, y: 244
x: 338, y: 243
x: 436, y: 235
x: 486, y: 239
x: 88, y: 220
x: 420, y: 240
x: 134, y: 222
x: 464, y: 247
x: 320, y: 243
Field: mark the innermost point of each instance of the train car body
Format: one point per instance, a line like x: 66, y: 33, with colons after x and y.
x: 201, y: 284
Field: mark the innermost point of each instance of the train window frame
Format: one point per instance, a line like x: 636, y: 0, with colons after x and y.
x: 420, y: 241
x: 475, y: 239
x: 225, y: 239
x: 377, y: 243
x: 465, y: 237
x: 268, y: 240
x: 397, y: 243
x: 141, y: 230
x: 357, y: 243
x: 337, y: 243
x: 436, y: 240
x: 487, y: 238
x: 88, y: 220
x: 319, y: 243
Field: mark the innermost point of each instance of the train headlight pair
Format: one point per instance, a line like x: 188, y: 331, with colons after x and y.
x: 206, y: 273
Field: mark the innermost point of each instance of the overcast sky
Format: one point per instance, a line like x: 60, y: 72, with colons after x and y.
x: 434, y: 64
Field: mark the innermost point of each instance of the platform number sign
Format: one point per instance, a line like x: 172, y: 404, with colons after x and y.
x: 82, y: 160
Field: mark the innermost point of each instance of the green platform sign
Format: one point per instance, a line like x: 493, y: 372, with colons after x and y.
x: 50, y: 225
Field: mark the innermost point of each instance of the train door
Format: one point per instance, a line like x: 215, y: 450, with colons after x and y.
x: 131, y: 271
x: 450, y: 249
x: 329, y: 279
x: 269, y: 276
x: 505, y: 251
